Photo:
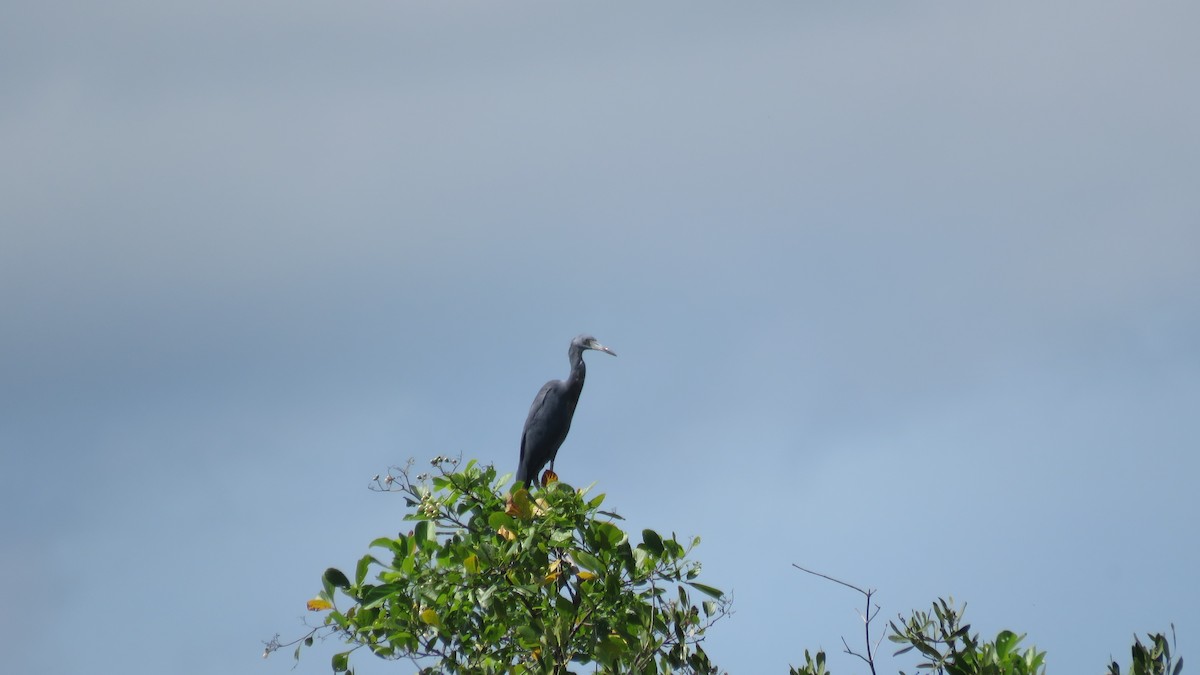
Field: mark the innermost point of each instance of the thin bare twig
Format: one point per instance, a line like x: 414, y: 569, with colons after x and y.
x: 826, y: 576
x: 866, y: 617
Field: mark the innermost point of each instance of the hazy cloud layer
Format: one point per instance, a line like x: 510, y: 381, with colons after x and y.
x: 903, y: 293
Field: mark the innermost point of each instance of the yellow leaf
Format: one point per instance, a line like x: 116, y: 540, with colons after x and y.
x: 550, y: 577
x: 319, y: 605
x: 586, y: 575
x: 506, y: 533
x: 430, y: 616
x: 471, y: 564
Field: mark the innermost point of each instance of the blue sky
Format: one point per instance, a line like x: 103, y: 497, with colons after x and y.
x: 906, y: 293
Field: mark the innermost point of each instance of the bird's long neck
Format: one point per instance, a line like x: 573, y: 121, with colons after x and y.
x: 578, y: 369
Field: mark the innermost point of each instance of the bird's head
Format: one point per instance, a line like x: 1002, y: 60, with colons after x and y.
x: 583, y: 342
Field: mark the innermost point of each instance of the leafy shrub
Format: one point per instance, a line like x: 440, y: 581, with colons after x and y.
x: 489, y: 582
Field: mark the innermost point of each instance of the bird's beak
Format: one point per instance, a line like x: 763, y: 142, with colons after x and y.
x: 601, y: 348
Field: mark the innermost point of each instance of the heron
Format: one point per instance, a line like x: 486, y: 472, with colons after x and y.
x: 550, y: 415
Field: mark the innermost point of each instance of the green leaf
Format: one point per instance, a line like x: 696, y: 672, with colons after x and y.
x: 341, y: 662
x: 336, y: 578
x: 587, y: 561
x: 928, y: 651
x: 610, y: 649
x: 423, y: 533
x: 374, y: 596
x: 640, y: 557
x: 1005, y: 642
x: 360, y: 572
x: 499, y: 519
x: 564, y: 608
x: 672, y: 548
x: 609, y: 533
x: 653, y: 542
x: 399, y: 545
x: 528, y: 635
x: 706, y: 589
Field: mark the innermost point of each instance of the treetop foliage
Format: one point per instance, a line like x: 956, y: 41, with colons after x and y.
x: 492, y: 582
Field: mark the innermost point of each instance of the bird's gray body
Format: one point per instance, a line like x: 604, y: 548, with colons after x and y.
x: 550, y: 415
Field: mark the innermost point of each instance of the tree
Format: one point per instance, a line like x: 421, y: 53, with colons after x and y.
x: 947, y: 647
x: 1152, y: 659
x: 489, y: 582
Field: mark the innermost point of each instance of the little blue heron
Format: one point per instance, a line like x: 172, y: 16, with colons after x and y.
x: 550, y: 415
